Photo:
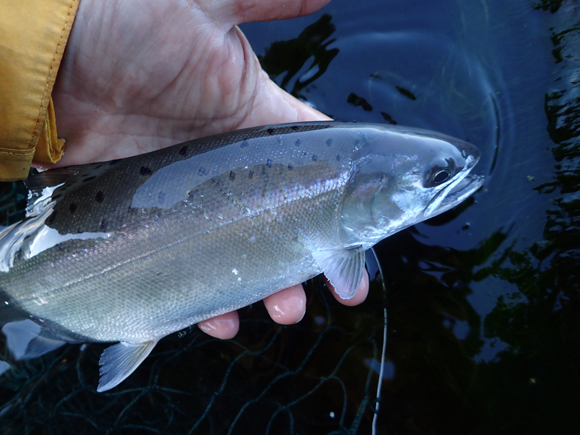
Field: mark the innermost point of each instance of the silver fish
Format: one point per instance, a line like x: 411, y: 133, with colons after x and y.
x: 132, y: 250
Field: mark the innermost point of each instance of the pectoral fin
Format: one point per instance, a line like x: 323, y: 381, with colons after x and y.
x: 344, y: 268
x: 120, y: 360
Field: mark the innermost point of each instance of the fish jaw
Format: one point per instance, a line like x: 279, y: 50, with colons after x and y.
x: 457, y: 191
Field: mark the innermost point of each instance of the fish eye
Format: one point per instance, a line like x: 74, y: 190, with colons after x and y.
x: 441, y: 176
x: 440, y: 172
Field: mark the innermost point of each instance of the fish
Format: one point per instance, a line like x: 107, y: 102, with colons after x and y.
x: 132, y: 250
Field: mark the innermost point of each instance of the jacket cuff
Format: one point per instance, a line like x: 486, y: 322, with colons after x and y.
x: 14, y: 164
x: 49, y: 148
x: 33, y: 36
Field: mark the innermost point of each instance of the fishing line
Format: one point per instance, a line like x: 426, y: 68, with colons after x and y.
x: 384, y: 349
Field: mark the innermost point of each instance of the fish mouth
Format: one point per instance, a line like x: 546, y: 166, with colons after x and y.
x: 456, y: 192
x: 466, y: 187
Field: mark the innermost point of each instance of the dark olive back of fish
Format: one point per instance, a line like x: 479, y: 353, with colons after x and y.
x: 101, y: 197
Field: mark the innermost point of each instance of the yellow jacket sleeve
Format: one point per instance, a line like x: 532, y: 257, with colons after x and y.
x: 33, y: 35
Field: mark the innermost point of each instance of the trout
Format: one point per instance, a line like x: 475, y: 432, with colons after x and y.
x: 132, y: 250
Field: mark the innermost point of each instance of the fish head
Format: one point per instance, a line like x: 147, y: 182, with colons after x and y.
x: 403, y: 176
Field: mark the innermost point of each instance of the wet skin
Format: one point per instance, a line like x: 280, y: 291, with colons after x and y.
x: 140, y: 75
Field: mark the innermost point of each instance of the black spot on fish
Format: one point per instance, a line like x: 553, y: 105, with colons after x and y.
x: 232, y: 175
x: 100, y: 196
x: 297, y: 142
x: 89, y: 179
x: 145, y: 171
x: 244, y: 144
x: 201, y: 172
x: 183, y: 151
x: 329, y: 142
x: 251, y: 175
x: 338, y: 157
x: 294, y: 127
x: 73, y: 207
x: 270, y: 131
x: 161, y: 197
x: 314, y: 157
x: 290, y: 166
x: 104, y: 225
x: 269, y: 163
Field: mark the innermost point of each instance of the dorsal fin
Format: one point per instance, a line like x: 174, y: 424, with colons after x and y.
x: 51, y: 178
x: 42, y: 185
x: 12, y: 237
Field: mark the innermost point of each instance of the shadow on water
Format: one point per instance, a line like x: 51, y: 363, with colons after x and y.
x: 483, y: 301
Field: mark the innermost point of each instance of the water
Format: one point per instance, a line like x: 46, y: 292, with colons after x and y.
x: 483, y: 302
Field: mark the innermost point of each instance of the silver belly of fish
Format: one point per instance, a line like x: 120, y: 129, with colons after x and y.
x: 133, y: 250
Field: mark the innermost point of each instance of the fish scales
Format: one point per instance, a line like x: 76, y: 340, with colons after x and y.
x: 264, y: 209
x: 136, y: 249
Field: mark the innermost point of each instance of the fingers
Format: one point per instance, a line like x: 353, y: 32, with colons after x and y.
x: 225, y: 326
x: 360, y: 295
x: 245, y: 11
x: 287, y: 306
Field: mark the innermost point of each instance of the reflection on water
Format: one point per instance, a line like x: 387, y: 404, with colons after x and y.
x: 483, y: 302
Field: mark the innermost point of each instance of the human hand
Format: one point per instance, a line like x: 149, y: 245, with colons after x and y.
x: 140, y: 75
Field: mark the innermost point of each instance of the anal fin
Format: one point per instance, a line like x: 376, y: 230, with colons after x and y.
x: 120, y: 360
x: 344, y: 268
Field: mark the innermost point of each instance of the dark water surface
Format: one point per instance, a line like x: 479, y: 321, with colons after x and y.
x: 483, y: 301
